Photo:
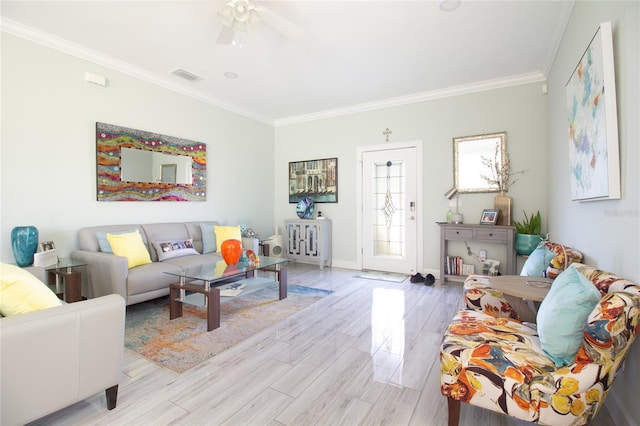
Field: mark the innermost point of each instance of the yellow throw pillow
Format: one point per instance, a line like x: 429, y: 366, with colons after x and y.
x: 21, y: 292
x: 130, y: 246
x: 224, y: 233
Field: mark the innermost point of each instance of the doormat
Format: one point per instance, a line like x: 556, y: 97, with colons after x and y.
x: 184, y: 342
x: 382, y: 276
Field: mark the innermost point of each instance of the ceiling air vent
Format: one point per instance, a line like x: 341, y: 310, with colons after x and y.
x: 185, y: 74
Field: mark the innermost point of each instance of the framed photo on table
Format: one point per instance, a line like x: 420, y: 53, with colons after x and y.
x: 489, y: 217
x: 47, y: 246
x: 47, y: 255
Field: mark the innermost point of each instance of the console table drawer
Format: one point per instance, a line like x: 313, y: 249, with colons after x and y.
x: 491, y: 234
x: 458, y: 234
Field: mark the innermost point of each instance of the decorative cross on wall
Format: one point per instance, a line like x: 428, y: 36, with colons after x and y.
x: 387, y: 132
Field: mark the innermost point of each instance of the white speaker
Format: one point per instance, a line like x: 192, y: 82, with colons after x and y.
x: 276, y: 245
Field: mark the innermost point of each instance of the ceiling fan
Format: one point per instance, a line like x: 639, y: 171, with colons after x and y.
x: 243, y: 15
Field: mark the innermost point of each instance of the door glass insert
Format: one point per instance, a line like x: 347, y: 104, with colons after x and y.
x: 388, y: 214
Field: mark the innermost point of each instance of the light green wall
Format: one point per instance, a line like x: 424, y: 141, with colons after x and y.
x: 519, y: 110
x: 607, y: 231
x: 48, y: 153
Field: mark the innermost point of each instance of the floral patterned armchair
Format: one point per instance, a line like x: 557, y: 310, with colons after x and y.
x: 489, y: 358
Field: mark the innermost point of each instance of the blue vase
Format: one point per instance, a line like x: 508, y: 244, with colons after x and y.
x: 525, y: 244
x: 24, y: 242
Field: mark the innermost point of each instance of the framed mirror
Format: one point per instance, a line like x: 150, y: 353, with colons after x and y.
x: 134, y: 165
x: 468, y: 165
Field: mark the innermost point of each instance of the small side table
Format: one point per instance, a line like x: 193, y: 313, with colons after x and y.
x: 66, y: 277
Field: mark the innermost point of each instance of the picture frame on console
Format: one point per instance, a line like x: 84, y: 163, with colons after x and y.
x: 489, y: 217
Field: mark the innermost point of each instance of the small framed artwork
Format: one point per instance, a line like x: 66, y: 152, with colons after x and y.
x: 491, y: 267
x: 489, y: 217
x: 47, y: 246
x: 315, y: 179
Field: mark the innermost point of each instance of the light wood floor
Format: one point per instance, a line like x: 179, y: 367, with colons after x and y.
x: 366, y: 354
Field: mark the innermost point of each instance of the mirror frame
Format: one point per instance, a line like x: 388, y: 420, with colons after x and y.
x: 475, y: 162
x: 110, y: 139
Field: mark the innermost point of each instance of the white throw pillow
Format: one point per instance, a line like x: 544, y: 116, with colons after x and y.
x: 174, y: 248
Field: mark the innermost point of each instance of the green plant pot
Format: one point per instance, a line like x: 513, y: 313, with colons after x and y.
x: 526, y: 243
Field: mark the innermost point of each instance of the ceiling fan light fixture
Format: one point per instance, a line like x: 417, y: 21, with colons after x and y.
x: 239, y: 15
x: 254, y: 18
x: 226, y: 15
x: 241, y: 10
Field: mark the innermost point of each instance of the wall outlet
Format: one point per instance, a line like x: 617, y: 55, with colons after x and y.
x: 483, y: 255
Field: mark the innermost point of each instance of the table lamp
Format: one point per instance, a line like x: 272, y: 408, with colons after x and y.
x: 457, y: 216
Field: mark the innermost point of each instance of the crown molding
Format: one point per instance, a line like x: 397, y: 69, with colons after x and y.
x: 464, y: 89
x: 566, y: 7
x: 28, y: 33
x: 31, y: 34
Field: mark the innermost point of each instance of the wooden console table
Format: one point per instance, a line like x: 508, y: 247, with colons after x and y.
x: 477, y: 233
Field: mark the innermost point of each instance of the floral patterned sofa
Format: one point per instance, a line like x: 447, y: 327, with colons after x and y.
x: 489, y: 358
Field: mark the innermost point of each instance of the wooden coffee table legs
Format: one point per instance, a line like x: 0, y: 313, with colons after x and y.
x: 281, y: 277
x: 212, y: 297
x: 212, y: 302
x: 213, y: 308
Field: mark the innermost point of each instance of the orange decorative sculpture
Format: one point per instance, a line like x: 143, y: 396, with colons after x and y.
x: 231, y: 251
x: 253, y: 257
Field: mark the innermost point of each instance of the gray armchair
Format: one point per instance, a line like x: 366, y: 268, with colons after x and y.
x: 58, y: 356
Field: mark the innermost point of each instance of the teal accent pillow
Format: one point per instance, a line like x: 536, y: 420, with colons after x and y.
x: 537, y: 262
x: 563, y: 314
x: 209, y: 243
x: 105, y: 247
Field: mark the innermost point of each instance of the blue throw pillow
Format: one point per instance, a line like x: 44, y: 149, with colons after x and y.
x: 563, y: 314
x: 537, y: 262
x: 209, y: 243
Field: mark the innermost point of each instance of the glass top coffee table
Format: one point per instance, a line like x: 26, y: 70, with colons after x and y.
x: 201, y: 285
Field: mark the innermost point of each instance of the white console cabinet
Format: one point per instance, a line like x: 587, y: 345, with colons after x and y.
x: 309, y: 241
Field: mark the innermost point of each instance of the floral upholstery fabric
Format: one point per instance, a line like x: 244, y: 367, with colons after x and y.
x: 495, y: 362
x: 479, y: 296
x: 564, y: 256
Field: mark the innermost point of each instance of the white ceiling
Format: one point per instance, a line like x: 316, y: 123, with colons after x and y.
x: 355, y: 55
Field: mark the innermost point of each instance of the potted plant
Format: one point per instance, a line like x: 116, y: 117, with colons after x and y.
x: 528, y: 233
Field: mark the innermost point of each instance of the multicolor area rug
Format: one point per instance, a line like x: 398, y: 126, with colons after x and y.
x: 183, y: 343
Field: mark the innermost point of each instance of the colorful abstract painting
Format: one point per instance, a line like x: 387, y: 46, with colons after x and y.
x: 593, y: 134
x: 186, y: 160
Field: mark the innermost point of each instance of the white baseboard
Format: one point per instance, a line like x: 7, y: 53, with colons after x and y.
x: 355, y: 266
x: 345, y: 264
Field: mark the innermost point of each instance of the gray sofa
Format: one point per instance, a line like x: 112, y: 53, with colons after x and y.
x: 55, y: 357
x: 109, y: 274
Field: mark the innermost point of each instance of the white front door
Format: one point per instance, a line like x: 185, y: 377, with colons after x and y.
x: 389, y: 210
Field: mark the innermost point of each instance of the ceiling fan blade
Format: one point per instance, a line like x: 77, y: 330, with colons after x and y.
x: 225, y: 36
x: 281, y: 24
